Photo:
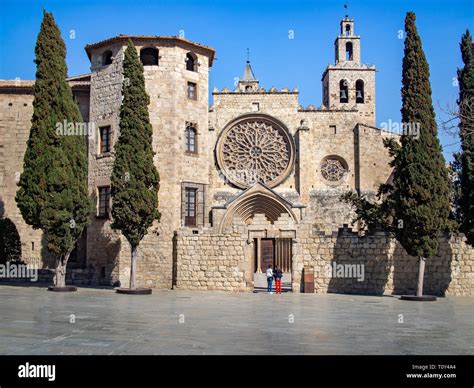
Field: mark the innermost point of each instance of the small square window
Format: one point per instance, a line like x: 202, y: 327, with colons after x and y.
x: 105, y: 139
x: 255, y: 106
x: 332, y: 129
x: 192, y: 91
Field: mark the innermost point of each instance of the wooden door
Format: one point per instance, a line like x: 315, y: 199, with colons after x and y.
x: 267, y: 253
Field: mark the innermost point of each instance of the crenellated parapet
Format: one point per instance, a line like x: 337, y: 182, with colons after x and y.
x: 259, y: 90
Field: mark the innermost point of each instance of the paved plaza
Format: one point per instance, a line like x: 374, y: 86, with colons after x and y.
x: 34, y: 321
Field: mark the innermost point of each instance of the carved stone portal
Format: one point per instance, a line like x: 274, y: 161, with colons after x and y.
x: 255, y: 149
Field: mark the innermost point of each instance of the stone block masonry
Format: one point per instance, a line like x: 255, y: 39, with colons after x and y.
x: 385, y: 265
x: 211, y: 262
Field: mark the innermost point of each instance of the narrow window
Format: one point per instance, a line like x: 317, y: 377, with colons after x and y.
x: 349, y: 51
x: 332, y: 129
x: 359, y: 91
x: 149, y: 56
x: 190, y: 206
x: 255, y: 106
x: 191, y: 62
x: 348, y: 29
x: 192, y: 94
x: 191, y: 138
x: 104, y: 202
x: 343, y: 92
x: 105, y: 138
x: 107, y: 58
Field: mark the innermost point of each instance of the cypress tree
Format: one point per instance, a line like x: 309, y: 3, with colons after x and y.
x: 53, y: 194
x: 465, y: 159
x: 10, y: 243
x: 135, y: 179
x: 421, y: 194
x: 416, y: 207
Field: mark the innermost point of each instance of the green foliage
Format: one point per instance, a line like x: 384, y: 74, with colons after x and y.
x: 465, y: 159
x: 135, y: 180
x: 416, y: 206
x: 53, y: 194
x: 10, y: 243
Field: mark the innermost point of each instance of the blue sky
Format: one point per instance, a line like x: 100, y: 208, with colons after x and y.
x: 262, y: 26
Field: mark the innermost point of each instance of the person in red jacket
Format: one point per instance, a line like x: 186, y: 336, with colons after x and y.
x: 277, y: 274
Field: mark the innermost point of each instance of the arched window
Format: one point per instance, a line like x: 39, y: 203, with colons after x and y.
x: 348, y: 29
x: 149, y: 56
x: 107, y: 58
x: 343, y: 92
x: 191, y: 138
x: 191, y: 62
x: 349, y: 51
x: 359, y: 91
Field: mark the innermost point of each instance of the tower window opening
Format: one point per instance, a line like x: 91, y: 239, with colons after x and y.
x: 349, y: 56
x: 191, y: 62
x: 149, y: 56
x: 359, y: 91
x: 191, y: 137
x: 343, y: 92
x: 107, y: 58
x: 348, y: 29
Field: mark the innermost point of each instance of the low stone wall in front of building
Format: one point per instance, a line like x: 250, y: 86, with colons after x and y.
x: 344, y: 262
x: 208, y: 261
x: 75, y: 276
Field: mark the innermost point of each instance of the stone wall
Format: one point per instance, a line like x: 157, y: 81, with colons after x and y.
x: 16, y: 110
x: 74, y: 276
x: 388, y: 269
x: 212, y: 262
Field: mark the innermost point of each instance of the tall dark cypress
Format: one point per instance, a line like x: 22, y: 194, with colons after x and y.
x: 135, y: 179
x: 53, y: 194
x: 466, y: 133
x: 421, y: 194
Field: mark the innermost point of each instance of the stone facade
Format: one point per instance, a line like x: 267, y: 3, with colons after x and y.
x: 252, y: 179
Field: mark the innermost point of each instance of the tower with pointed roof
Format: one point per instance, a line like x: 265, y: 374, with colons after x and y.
x: 248, y: 82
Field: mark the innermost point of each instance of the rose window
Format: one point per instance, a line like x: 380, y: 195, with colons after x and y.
x: 333, y: 169
x: 255, y: 150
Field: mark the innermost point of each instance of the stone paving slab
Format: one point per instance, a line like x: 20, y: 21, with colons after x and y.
x: 34, y: 321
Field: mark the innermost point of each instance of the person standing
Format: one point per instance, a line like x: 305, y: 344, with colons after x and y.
x: 277, y: 274
x: 269, y: 274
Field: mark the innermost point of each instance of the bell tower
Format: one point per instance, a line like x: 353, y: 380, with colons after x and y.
x: 349, y: 84
x: 347, y: 43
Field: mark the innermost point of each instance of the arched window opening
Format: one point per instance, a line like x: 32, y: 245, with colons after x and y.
x: 191, y: 62
x: 149, y: 56
x: 348, y: 29
x: 343, y: 92
x: 349, y: 51
x: 359, y: 91
x: 191, y: 138
x: 107, y: 58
